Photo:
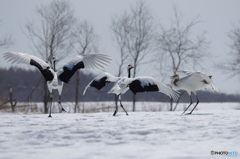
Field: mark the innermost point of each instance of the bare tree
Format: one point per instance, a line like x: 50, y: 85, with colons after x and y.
x: 177, y: 48
x: 232, y: 64
x: 6, y: 40
x: 53, y: 36
x: 118, y: 32
x: 86, y: 42
x: 137, y: 35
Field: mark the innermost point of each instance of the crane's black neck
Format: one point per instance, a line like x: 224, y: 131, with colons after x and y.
x: 129, y: 73
x: 54, y: 66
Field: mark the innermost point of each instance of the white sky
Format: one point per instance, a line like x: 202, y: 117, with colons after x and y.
x: 217, y: 16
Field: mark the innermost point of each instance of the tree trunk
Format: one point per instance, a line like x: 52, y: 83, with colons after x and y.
x: 171, y: 105
x: 134, y: 102
x: 45, y: 98
x: 76, y: 95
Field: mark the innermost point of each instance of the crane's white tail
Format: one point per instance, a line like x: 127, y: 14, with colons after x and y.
x: 208, y: 80
x: 214, y: 87
x: 212, y: 84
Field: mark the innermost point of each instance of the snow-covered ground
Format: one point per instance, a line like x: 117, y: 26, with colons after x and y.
x: 159, y: 134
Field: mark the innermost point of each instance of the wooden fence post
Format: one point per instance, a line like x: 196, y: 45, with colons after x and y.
x: 12, y: 101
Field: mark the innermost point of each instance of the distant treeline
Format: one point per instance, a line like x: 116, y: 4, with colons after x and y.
x: 28, y: 86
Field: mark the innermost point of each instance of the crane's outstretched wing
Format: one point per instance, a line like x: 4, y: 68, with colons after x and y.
x: 17, y: 57
x: 89, y: 61
x: 101, y: 81
x: 149, y: 84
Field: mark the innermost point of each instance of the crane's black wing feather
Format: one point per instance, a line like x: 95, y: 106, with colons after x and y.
x: 24, y: 58
x: 136, y: 86
x: 47, y: 74
x: 68, y: 73
x: 89, y: 61
x: 149, y: 84
x: 100, y: 83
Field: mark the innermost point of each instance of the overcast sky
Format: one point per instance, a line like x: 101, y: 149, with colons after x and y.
x: 217, y: 17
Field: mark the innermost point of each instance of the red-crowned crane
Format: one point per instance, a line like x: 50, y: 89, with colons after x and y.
x: 191, y: 81
x: 138, y: 84
x: 55, y: 79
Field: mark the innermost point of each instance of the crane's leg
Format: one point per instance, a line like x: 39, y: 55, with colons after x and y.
x: 60, y: 93
x: 50, y: 111
x: 59, y: 103
x: 189, y: 104
x: 116, y: 109
x: 195, y: 105
x: 51, y: 96
x: 122, y: 105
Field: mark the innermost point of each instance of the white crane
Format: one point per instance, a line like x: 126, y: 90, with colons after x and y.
x: 191, y: 81
x: 55, y: 78
x: 122, y: 84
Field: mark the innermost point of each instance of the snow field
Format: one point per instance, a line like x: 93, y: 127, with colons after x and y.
x: 151, y: 135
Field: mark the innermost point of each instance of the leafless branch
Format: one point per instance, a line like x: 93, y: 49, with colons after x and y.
x: 6, y: 40
x: 86, y: 40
